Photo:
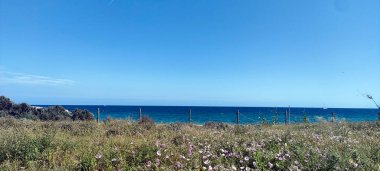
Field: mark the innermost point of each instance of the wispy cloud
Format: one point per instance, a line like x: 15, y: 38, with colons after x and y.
x: 29, y: 79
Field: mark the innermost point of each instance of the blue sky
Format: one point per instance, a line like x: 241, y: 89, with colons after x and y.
x: 191, y: 52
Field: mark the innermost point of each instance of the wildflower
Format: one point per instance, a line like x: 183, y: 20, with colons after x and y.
x: 296, y: 162
x: 190, y: 149
x: 209, y: 168
x: 98, y: 156
x: 113, y: 160
x: 233, y: 167
x: 182, y: 157
x: 162, y: 145
x: 178, y: 165
x: 204, y: 168
x: 148, y: 163
x: 158, y: 162
x: 270, y: 165
x: 159, y: 153
x: 246, y: 158
x: 355, y: 165
x: 207, y: 162
x: 254, y: 164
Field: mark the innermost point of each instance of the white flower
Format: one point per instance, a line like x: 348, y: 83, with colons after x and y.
x: 246, y: 158
x: 233, y: 167
x: 254, y: 164
x: 207, y: 162
x: 296, y: 162
x: 98, y: 156
x: 270, y: 165
x: 159, y: 153
x: 355, y: 165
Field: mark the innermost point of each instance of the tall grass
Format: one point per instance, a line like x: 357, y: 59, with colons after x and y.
x: 126, y: 145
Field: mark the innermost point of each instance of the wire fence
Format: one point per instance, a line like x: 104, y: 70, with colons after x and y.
x: 237, y: 117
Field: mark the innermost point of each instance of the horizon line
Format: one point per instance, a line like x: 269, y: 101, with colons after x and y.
x: 118, y: 105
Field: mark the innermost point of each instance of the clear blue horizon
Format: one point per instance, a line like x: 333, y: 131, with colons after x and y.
x: 318, y: 53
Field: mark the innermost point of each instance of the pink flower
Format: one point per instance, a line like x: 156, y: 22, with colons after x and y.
x: 158, y: 162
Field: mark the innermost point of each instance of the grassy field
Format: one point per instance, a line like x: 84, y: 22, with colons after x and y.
x: 126, y: 145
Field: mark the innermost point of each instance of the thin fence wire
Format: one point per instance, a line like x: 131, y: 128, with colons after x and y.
x: 201, y: 117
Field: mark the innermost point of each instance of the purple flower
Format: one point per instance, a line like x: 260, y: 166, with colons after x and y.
x: 190, y: 149
x: 178, y: 165
x: 148, y: 163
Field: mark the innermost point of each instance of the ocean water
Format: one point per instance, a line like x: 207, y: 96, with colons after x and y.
x: 248, y: 115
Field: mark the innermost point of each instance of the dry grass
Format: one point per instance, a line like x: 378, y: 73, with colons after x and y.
x: 125, y: 145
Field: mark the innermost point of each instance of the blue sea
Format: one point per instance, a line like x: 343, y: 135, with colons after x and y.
x: 248, y: 115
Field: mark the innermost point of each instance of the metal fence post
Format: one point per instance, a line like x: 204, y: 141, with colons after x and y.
x: 140, y: 113
x: 189, y: 117
x: 237, y: 117
x: 98, y: 118
x: 286, y: 118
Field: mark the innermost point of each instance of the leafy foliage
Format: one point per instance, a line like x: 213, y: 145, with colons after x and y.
x: 52, y: 113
